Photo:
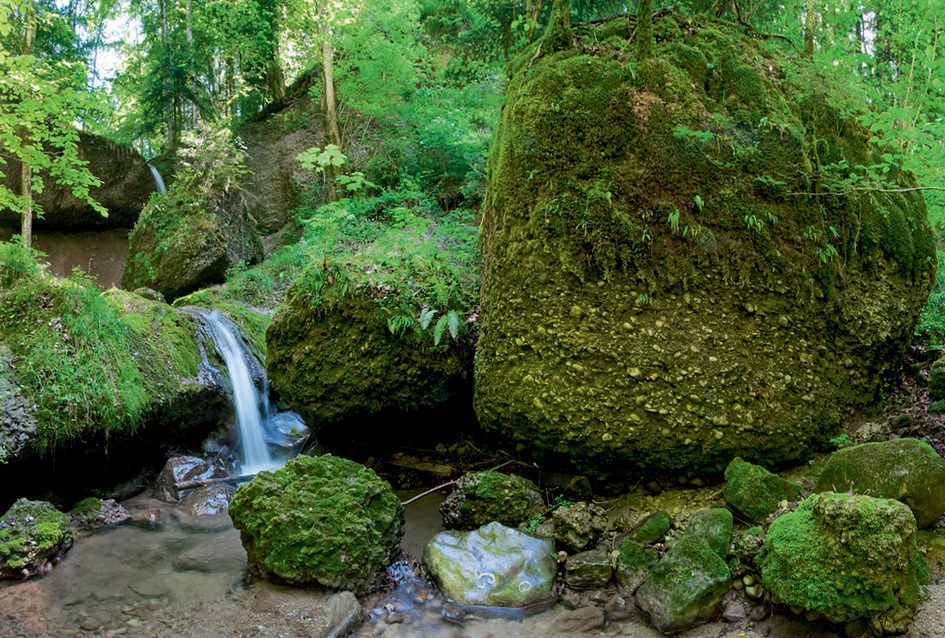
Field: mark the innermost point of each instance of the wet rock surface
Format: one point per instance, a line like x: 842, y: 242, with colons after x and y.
x: 482, y: 497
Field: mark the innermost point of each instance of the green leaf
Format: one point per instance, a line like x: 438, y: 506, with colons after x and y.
x: 453, y: 320
x: 426, y: 317
x: 439, y: 329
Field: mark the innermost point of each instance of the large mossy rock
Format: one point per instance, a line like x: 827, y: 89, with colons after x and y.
x: 685, y: 588
x: 846, y: 558
x: 494, y: 566
x: 92, y: 372
x: 32, y: 535
x: 659, y: 292
x: 318, y: 521
x: 907, y: 470
x: 127, y: 183
x: 483, y: 497
x: 756, y: 492
x: 348, y: 349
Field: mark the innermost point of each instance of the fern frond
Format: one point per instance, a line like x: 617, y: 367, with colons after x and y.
x: 453, y: 321
x: 439, y: 329
x: 426, y: 317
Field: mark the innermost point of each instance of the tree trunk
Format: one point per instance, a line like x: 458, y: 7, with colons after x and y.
x: 170, y: 111
x: 810, y: 21
x: 26, y: 171
x: 275, y: 78
x: 644, y: 30
x: 332, y: 133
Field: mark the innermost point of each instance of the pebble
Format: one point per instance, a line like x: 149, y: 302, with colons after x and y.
x: 394, y: 618
x: 90, y: 624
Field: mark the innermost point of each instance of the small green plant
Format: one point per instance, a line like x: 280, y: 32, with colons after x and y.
x: 841, y: 441
x: 699, y: 203
x: 673, y: 219
x: 753, y: 224
x: 535, y: 521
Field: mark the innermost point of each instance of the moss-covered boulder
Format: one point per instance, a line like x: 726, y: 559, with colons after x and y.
x: 380, y: 326
x: 652, y: 528
x: 189, y: 237
x: 846, y: 557
x: 492, y: 566
x: 483, y: 497
x: 90, y: 368
x: 673, y: 273
x: 756, y: 492
x: 33, y: 534
x: 127, y: 183
x: 713, y: 526
x: 685, y: 588
x: 318, y: 521
x: 907, y: 470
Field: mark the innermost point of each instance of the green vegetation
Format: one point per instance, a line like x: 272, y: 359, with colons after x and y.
x: 31, y: 533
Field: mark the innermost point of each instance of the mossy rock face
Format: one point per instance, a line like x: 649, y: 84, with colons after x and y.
x: 658, y: 291
x: 483, y: 497
x: 754, y: 491
x: 32, y: 535
x: 685, y: 588
x: 340, y: 363
x: 633, y: 563
x: 179, y: 245
x: 846, y: 558
x: 907, y: 470
x: 319, y: 521
x: 713, y: 526
x: 578, y: 525
x: 588, y: 570
x: 652, y: 528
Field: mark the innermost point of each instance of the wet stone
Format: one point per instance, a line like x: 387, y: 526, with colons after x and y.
x: 588, y: 570
x: 583, y: 620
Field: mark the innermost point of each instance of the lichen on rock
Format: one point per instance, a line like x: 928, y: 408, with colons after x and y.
x: 666, y: 284
x: 319, y: 521
x: 483, y: 497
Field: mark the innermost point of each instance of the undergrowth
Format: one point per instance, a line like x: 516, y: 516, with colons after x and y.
x: 419, y: 265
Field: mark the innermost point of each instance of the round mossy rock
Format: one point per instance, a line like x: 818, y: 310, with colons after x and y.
x: 32, y: 534
x: 846, y: 557
x: 483, y: 497
x: 658, y: 293
x: 937, y: 380
x: 907, y: 470
x: 318, y: 521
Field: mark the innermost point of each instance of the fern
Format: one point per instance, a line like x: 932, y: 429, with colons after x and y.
x: 452, y: 320
x: 398, y: 324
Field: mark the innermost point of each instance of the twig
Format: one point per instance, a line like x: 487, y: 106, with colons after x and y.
x: 447, y: 484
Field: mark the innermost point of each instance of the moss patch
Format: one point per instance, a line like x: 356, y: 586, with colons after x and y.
x: 31, y: 534
x: 754, y: 491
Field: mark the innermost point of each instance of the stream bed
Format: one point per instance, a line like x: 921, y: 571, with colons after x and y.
x: 169, y: 575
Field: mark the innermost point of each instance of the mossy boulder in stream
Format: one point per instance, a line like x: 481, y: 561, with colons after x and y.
x: 33, y: 534
x: 319, y: 521
x: 846, y: 558
x: 482, y: 497
x: 756, y: 492
x: 673, y: 271
x: 907, y: 470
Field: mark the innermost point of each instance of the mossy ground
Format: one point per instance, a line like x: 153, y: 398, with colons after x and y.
x: 673, y: 273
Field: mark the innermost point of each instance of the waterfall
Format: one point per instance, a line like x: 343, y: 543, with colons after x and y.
x: 158, y: 180
x: 252, y: 406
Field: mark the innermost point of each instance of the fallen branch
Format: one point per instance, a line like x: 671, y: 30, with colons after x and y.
x: 447, y: 484
x: 186, y: 485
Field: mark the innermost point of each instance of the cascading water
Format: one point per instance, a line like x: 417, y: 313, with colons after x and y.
x: 253, y: 417
x: 158, y: 180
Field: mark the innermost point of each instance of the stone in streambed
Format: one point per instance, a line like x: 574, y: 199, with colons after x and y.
x: 33, y: 535
x: 578, y: 525
x: 588, y: 570
x: 754, y: 491
x: 492, y: 566
x: 482, y: 497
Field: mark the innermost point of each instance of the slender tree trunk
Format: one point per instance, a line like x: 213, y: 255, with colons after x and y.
x: 275, y: 78
x: 26, y: 171
x: 170, y: 113
x: 644, y: 30
x: 810, y: 22
x: 332, y: 133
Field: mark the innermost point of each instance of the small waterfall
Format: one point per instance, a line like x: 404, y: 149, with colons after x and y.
x: 158, y: 180
x: 252, y: 406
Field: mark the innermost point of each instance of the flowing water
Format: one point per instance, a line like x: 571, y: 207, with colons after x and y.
x: 158, y: 180
x: 251, y: 403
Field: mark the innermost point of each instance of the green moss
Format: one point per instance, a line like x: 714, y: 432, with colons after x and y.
x: 318, y: 521
x: 90, y: 505
x: 652, y: 528
x: 483, y: 497
x: 754, y: 491
x: 31, y: 533
x: 713, y: 526
x: 845, y: 557
x: 937, y: 380
x: 633, y: 563
x: 653, y: 296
